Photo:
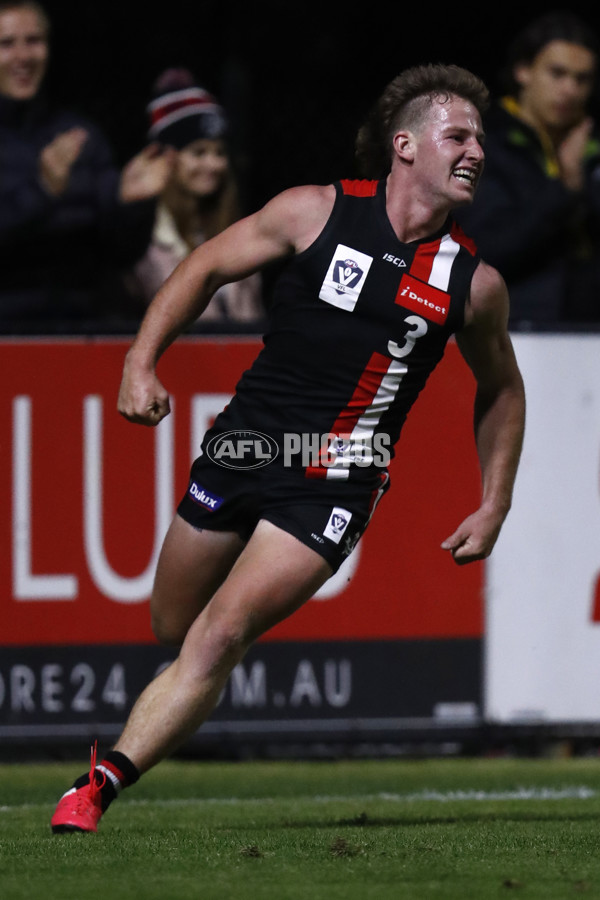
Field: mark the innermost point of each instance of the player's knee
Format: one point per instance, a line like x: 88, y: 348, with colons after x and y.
x: 228, y: 639
x: 219, y: 645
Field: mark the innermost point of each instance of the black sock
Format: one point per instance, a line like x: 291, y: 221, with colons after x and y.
x: 113, y: 773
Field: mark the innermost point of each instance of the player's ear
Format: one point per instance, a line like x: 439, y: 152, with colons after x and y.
x: 404, y: 145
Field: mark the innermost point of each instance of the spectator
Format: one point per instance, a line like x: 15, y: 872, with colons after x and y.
x: 536, y: 216
x: 200, y: 198
x: 69, y: 219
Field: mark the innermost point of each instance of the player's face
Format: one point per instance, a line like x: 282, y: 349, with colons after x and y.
x: 23, y: 53
x: 557, y: 85
x: 201, y: 167
x: 449, y: 155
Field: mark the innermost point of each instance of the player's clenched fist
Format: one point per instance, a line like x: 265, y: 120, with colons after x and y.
x: 142, y: 398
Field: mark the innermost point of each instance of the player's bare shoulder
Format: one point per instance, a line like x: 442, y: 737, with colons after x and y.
x: 488, y: 298
x: 299, y: 214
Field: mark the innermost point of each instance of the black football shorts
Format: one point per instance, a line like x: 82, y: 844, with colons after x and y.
x: 328, y: 516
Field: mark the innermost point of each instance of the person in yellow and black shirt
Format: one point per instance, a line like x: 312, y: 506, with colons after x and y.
x: 536, y: 216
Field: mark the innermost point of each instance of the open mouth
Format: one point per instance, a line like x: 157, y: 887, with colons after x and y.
x: 466, y: 176
x: 23, y: 75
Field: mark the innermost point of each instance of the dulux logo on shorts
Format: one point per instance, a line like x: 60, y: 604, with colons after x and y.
x: 204, y: 498
x: 242, y: 449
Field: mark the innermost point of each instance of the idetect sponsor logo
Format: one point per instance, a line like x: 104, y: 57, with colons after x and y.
x: 422, y: 298
x: 204, y: 498
x: 242, y: 449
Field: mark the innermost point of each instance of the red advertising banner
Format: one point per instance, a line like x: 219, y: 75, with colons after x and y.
x: 87, y: 498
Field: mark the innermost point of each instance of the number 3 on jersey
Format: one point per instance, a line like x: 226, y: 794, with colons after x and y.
x: 418, y: 328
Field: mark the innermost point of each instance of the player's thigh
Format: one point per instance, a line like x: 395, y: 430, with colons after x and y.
x: 271, y: 579
x: 192, y: 565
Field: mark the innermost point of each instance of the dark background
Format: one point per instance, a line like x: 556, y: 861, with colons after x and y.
x: 296, y: 78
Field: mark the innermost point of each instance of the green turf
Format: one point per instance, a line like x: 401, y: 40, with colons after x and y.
x: 348, y: 830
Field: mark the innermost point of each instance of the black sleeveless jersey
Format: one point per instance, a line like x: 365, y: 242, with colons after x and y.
x: 358, y: 321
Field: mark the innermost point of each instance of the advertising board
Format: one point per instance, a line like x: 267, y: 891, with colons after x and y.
x: 393, y: 639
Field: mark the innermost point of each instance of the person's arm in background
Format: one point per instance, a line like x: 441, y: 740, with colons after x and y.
x: 33, y: 183
x: 126, y: 199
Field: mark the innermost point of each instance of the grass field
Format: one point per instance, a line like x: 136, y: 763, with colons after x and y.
x: 409, y: 830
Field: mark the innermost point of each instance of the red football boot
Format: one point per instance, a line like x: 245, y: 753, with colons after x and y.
x: 80, y: 808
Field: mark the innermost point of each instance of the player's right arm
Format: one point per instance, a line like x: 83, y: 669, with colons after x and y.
x: 499, y: 414
x: 288, y: 224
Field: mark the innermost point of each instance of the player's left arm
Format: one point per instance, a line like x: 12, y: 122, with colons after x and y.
x: 499, y: 414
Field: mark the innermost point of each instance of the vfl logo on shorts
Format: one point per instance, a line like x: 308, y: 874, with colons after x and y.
x: 337, y: 524
x: 208, y: 501
x: 345, y: 277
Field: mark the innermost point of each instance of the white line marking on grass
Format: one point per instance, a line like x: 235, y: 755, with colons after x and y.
x: 569, y: 793
x: 575, y: 792
x: 539, y: 793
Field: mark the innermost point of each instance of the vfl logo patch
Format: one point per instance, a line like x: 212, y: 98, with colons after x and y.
x: 337, y: 524
x: 424, y: 299
x: 345, y: 277
x: 208, y: 501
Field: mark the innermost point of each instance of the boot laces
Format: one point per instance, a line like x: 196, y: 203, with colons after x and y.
x: 97, y: 780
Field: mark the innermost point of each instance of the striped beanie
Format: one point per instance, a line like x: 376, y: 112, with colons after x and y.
x: 181, y: 111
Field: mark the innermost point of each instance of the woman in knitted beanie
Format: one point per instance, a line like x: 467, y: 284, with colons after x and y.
x: 201, y: 197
